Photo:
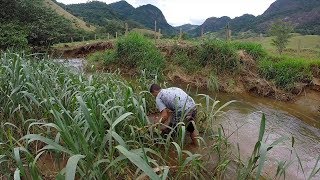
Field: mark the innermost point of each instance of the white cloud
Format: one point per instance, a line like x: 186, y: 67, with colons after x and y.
x: 178, y: 12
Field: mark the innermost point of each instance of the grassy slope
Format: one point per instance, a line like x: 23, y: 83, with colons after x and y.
x: 77, y: 23
x: 310, y: 45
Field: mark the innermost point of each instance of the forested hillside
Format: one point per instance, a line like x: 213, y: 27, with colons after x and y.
x: 115, y: 15
x: 30, y: 23
x: 76, y: 22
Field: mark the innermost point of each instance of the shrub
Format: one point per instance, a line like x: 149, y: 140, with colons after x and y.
x: 213, y: 82
x: 181, y: 58
x: 219, y: 54
x: 136, y: 51
x: 13, y: 36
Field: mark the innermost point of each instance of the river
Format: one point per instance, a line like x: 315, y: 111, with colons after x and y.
x: 298, y: 119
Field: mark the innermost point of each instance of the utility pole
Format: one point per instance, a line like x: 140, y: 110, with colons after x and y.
x: 155, y: 29
x: 126, y: 26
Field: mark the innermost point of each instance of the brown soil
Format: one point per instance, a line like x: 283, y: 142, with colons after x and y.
x: 248, y: 80
x: 177, y: 75
x: 49, y: 166
x: 316, y: 84
x: 81, y: 51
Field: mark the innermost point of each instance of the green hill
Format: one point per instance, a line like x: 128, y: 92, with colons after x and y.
x: 148, y: 14
x: 95, y: 12
x: 103, y: 14
x: 122, y: 8
x: 186, y: 27
x: 34, y: 23
x: 76, y: 22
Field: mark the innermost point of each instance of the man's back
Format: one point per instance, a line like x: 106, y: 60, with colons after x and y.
x: 174, y: 99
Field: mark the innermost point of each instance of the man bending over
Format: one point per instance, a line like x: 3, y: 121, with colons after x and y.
x: 180, y: 103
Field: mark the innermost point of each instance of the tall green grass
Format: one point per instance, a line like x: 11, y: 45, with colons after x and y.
x: 186, y: 59
x: 220, y: 55
x: 133, y: 51
x: 98, y: 123
x: 287, y: 71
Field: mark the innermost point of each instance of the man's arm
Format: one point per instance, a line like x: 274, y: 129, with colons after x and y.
x: 164, y: 116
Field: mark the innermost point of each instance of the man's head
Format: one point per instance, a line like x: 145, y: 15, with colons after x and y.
x: 155, y: 89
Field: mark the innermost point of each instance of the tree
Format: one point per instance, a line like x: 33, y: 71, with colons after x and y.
x: 30, y: 22
x: 281, y: 31
x: 13, y: 35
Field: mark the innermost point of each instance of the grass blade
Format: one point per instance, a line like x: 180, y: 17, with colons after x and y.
x: 139, y: 162
x: 16, y: 174
x: 119, y: 119
x: 262, y: 127
x: 72, y: 166
x: 54, y: 145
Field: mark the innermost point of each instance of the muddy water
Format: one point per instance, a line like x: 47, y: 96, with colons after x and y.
x: 300, y: 120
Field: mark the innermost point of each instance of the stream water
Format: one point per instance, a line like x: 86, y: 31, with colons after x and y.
x: 299, y: 119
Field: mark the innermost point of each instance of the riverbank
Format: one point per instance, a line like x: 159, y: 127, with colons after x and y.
x: 182, y: 64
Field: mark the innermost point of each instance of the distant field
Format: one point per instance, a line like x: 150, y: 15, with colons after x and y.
x: 309, y: 45
x: 77, y: 23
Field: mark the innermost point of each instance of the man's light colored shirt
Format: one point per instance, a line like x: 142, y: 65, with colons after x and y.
x: 174, y: 99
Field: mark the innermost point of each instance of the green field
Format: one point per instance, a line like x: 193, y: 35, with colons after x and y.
x: 309, y: 45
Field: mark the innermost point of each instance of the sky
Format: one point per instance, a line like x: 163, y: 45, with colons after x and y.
x: 179, y: 12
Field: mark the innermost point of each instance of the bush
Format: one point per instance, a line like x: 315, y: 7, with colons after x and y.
x: 182, y: 59
x: 219, y: 54
x: 136, y: 51
x: 286, y: 71
x: 13, y: 36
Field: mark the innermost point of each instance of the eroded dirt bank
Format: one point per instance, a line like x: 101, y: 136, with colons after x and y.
x: 247, y: 80
x: 81, y: 51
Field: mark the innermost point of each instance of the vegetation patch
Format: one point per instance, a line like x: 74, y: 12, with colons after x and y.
x: 183, y: 58
x: 254, y: 49
x: 99, y: 123
x: 134, y: 51
x: 221, y: 55
x: 286, y: 71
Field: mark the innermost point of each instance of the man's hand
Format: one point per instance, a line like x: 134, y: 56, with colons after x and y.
x: 164, y: 118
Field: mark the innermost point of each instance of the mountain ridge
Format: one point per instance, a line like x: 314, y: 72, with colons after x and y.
x: 100, y: 13
x: 303, y: 14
